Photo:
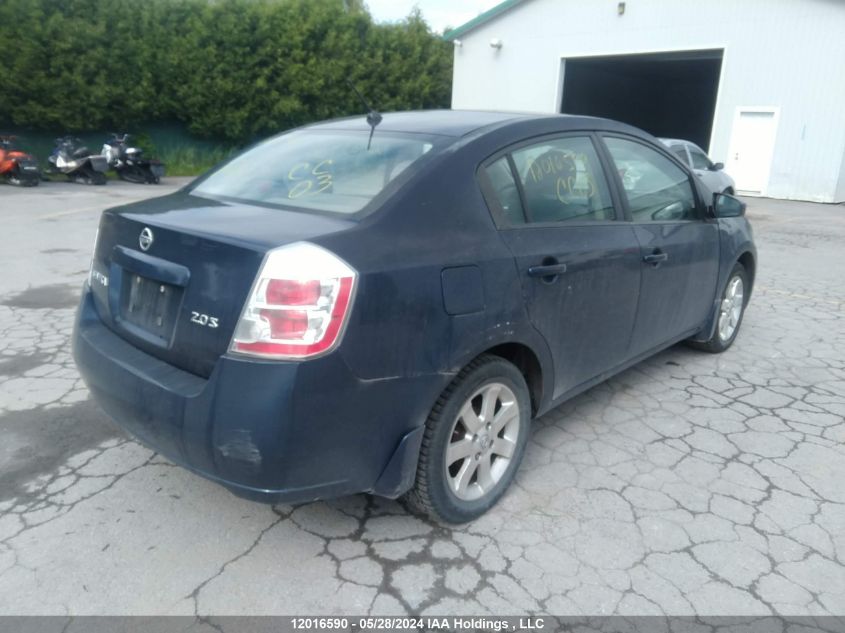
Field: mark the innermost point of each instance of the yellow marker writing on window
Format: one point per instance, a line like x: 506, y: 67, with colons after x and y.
x: 310, y: 180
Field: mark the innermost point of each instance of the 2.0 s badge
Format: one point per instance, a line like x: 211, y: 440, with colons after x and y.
x: 204, y: 319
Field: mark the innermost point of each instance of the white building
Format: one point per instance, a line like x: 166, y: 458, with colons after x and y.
x: 759, y: 84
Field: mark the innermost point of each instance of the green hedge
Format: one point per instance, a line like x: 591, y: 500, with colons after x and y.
x: 232, y: 70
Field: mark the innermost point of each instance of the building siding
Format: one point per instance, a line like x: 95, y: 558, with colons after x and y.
x: 789, y: 54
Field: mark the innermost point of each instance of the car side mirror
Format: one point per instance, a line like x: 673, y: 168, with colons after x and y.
x: 717, y: 166
x: 726, y: 206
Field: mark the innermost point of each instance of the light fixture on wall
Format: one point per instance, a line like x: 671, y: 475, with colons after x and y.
x: 620, y: 8
x: 457, y: 43
x: 496, y: 43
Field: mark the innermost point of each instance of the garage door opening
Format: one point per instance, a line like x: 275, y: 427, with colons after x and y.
x: 667, y: 94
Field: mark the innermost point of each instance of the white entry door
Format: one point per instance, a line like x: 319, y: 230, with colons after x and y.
x: 751, y: 148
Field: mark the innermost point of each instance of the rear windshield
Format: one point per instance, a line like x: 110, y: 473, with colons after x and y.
x: 322, y: 170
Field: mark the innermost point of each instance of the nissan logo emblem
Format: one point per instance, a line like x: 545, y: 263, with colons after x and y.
x: 146, y: 239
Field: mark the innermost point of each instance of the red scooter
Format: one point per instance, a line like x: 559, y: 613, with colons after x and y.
x: 16, y: 166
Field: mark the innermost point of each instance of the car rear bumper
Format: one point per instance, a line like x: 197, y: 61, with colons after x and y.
x: 268, y: 431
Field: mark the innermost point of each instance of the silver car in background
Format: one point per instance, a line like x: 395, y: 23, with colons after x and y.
x: 712, y: 174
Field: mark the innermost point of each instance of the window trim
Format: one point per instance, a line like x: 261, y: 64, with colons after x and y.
x: 701, y: 216
x: 488, y: 192
x: 495, y: 207
x: 526, y: 212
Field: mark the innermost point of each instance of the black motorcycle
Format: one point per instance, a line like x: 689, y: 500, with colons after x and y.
x: 129, y: 162
x: 71, y: 158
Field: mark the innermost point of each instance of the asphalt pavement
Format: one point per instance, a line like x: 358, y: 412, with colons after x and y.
x: 689, y: 484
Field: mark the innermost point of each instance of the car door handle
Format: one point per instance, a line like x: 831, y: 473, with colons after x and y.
x: 655, y: 258
x: 547, y: 270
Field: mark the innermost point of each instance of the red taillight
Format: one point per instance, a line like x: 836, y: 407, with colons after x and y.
x: 287, y: 292
x: 298, y: 306
x: 286, y: 324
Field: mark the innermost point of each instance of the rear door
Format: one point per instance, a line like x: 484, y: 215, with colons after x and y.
x: 579, y: 263
x: 679, y: 246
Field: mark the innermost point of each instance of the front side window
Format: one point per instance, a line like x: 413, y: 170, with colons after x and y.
x: 332, y: 171
x: 562, y: 181
x: 656, y: 188
x: 699, y: 159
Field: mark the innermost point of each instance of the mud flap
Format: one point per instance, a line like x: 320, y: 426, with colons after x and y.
x: 400, y: 472
x: 709, y: 327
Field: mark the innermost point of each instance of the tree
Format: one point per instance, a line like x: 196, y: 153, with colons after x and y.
x: 233, y: 70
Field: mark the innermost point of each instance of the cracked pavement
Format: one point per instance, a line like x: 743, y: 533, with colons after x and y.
x: 689, y: 484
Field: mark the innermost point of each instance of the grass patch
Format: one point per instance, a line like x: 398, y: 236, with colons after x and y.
x: 191, y: 161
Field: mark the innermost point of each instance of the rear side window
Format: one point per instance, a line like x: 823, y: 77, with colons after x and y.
x: 656, y: 188
x: 562, y: 181
x: 699, y: 159
x: 332, y: 171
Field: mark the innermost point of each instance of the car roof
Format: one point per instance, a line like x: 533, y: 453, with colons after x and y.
x: 449, y: 122
x: 441, y: 122
x: 680, y: 141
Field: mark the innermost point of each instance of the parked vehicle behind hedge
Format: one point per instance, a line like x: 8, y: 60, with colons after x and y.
x: 129, y: 162
x: 16, y: 166
x: 76, y: 162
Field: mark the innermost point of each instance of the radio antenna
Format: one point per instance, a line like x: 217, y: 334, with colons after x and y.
x: 373, y: 116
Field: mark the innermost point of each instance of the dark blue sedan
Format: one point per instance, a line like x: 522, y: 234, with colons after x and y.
x: 383, y: 306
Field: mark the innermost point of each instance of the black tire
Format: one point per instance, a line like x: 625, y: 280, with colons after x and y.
x: 717, y: 343
x: 431, y: 494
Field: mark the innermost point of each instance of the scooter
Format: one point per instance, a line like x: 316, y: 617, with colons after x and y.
x: 129, y: 162
x: 77, y: 162
x: 16, y: 166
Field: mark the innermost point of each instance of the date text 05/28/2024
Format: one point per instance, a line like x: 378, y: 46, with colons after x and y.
x: 431, y: 623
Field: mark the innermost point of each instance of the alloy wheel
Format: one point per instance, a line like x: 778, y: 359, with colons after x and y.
x: 482, y: 442
x: 731, y: 309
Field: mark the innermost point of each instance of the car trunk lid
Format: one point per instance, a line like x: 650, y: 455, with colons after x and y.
x: 171, y: 275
